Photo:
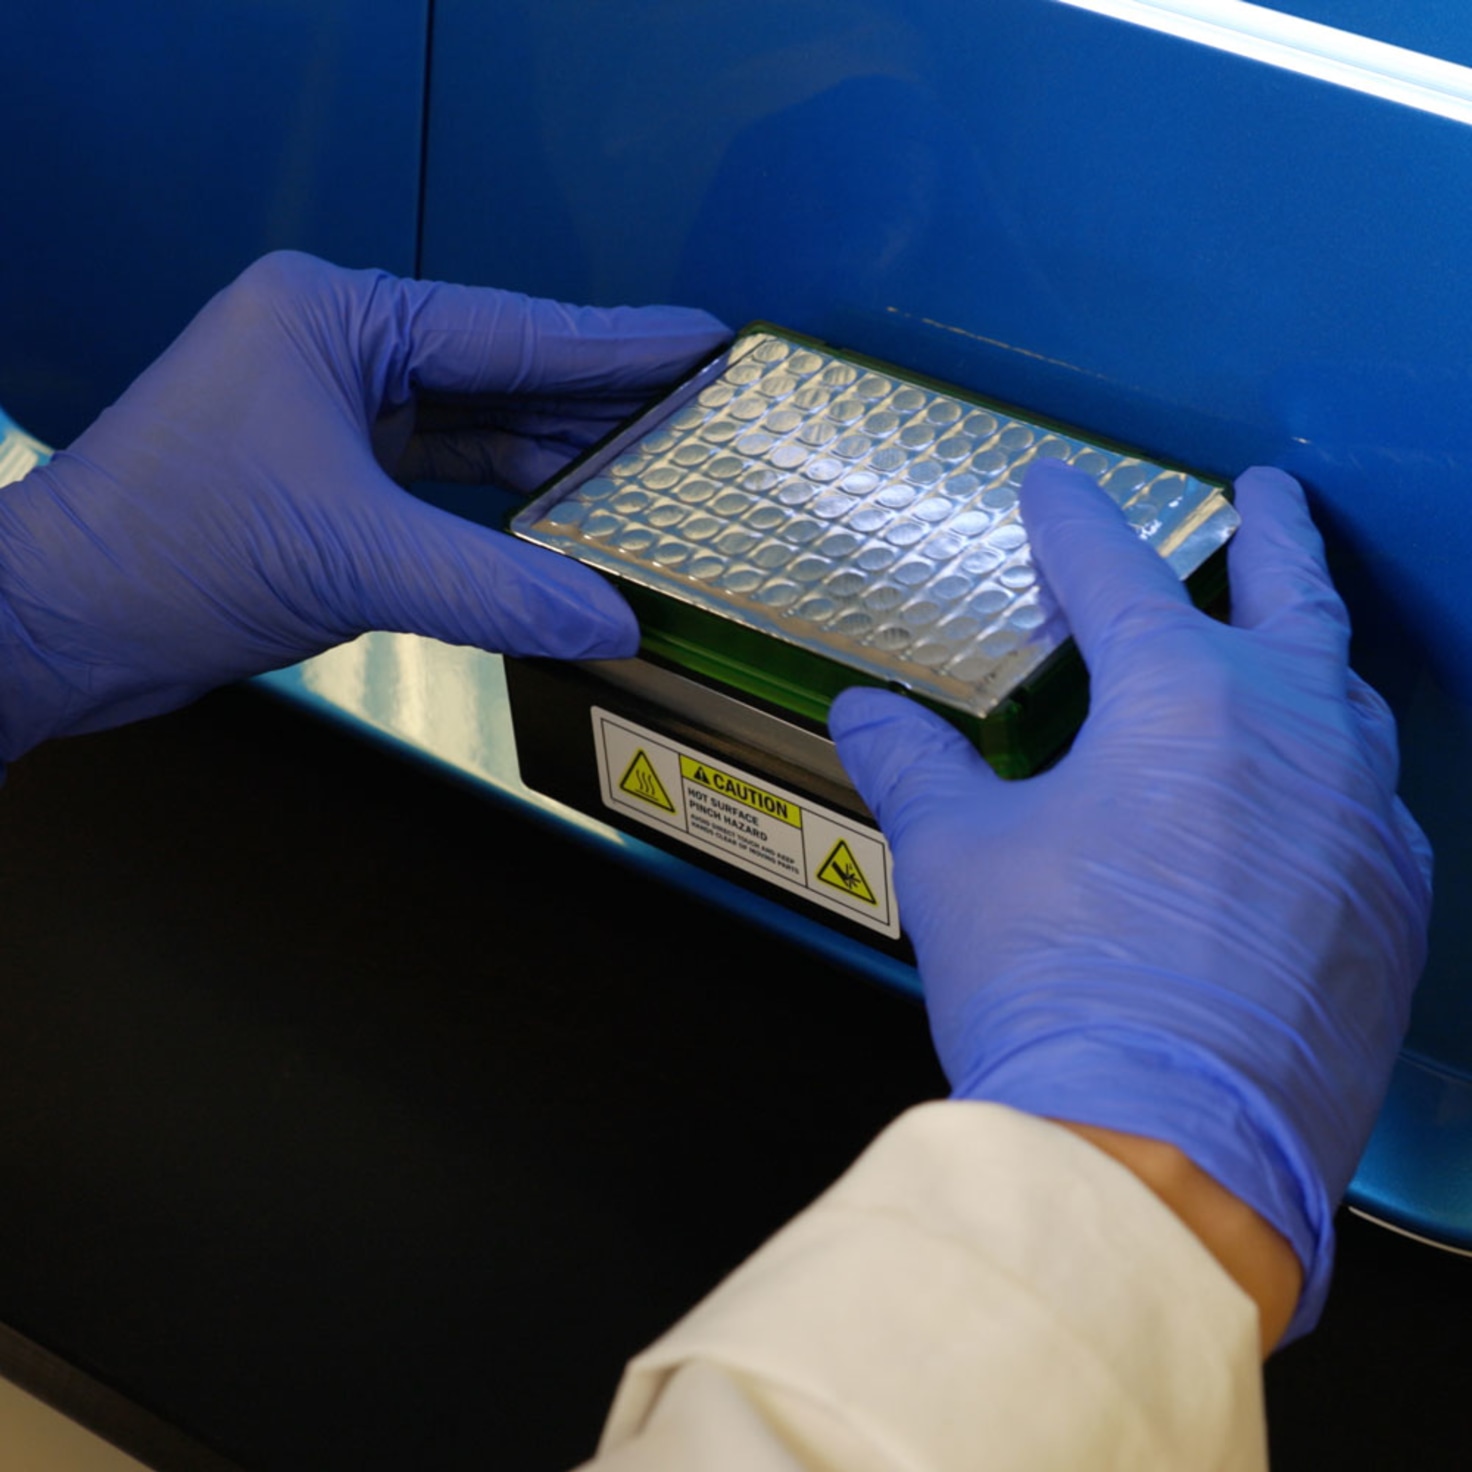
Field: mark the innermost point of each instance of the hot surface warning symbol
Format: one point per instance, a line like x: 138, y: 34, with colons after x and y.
x: 841, y: 870
x: 642, y: 781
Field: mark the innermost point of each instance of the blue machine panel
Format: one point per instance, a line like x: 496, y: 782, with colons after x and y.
x: 1217, y: 260
x: 152, y: 150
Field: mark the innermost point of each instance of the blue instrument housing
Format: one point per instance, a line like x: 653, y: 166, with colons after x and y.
x: 1220, y: 261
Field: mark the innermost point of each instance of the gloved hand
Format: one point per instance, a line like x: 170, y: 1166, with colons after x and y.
x: 1205, y: 923
x: 228, y: 515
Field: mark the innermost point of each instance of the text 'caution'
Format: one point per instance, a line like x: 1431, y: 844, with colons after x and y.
x: 743, y: 792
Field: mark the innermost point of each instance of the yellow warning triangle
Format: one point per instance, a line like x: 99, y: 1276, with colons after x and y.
x: 642, y: 781
x: 841, y: 870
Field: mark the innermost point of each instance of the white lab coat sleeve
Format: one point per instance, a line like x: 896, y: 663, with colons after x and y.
x: 981, y: 1290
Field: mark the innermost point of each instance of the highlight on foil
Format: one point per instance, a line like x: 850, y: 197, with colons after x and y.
x: 856, y: 514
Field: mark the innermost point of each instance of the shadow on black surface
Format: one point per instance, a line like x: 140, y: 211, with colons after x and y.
x: 1383, y: 1382
x: 360, y: 1123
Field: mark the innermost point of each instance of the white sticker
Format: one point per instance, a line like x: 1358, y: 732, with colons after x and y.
x: 746, y: 820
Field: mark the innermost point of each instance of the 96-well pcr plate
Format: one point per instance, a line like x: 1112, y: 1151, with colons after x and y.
x: 852, y: 512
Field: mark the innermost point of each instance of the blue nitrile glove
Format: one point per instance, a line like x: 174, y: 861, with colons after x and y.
x: 229, y: 515
x: 1205, y: 923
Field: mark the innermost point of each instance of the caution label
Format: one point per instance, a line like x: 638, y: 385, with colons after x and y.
x: 742, y: 818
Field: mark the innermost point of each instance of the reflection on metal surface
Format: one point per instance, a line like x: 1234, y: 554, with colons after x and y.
x: 20, y: 453
x: 448, y: 700
x: 1394, y: 73
x: 1413, y: 1236
x: 855, y: 514
x: 995, y: 342
x: 690, y: 700
x: 445, y: 702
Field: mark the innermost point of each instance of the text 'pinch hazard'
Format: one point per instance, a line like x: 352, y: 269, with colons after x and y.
x: 756, y: 798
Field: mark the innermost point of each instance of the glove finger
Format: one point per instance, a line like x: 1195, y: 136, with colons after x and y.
x: 1418, y: 844
x: 905, y: 761
x: 468, y: 339
x: 1104, y: 577
x: 1376, y: 725
x: 420, y: 570
x: 1280, y: 582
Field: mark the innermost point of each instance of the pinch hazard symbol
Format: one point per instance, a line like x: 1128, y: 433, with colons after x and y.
x: 841, y: 870
x: 642, y: 781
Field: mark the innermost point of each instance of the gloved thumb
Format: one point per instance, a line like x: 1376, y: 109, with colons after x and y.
x: 907, y: 763
x: 450, y: 579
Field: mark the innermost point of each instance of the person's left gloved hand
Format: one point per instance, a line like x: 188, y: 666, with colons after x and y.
x: 229, y: 515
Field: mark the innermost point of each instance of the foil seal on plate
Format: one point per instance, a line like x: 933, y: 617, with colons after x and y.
x: 856, y: 514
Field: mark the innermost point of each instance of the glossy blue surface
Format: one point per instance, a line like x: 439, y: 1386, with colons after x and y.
x: 1417, y: 1173
x: 1217, y: 261
x: 152, y: 150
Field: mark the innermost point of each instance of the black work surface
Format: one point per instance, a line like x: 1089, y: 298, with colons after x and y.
x: 350, y: 1121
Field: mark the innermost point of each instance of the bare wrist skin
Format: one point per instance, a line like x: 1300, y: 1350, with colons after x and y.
x: 1256, y: 1255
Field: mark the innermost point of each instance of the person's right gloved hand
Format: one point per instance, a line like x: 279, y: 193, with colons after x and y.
x: 234, y: 513
x: 1205, y: 923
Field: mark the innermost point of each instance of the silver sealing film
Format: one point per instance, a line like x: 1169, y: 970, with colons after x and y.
x: 863, y: 517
